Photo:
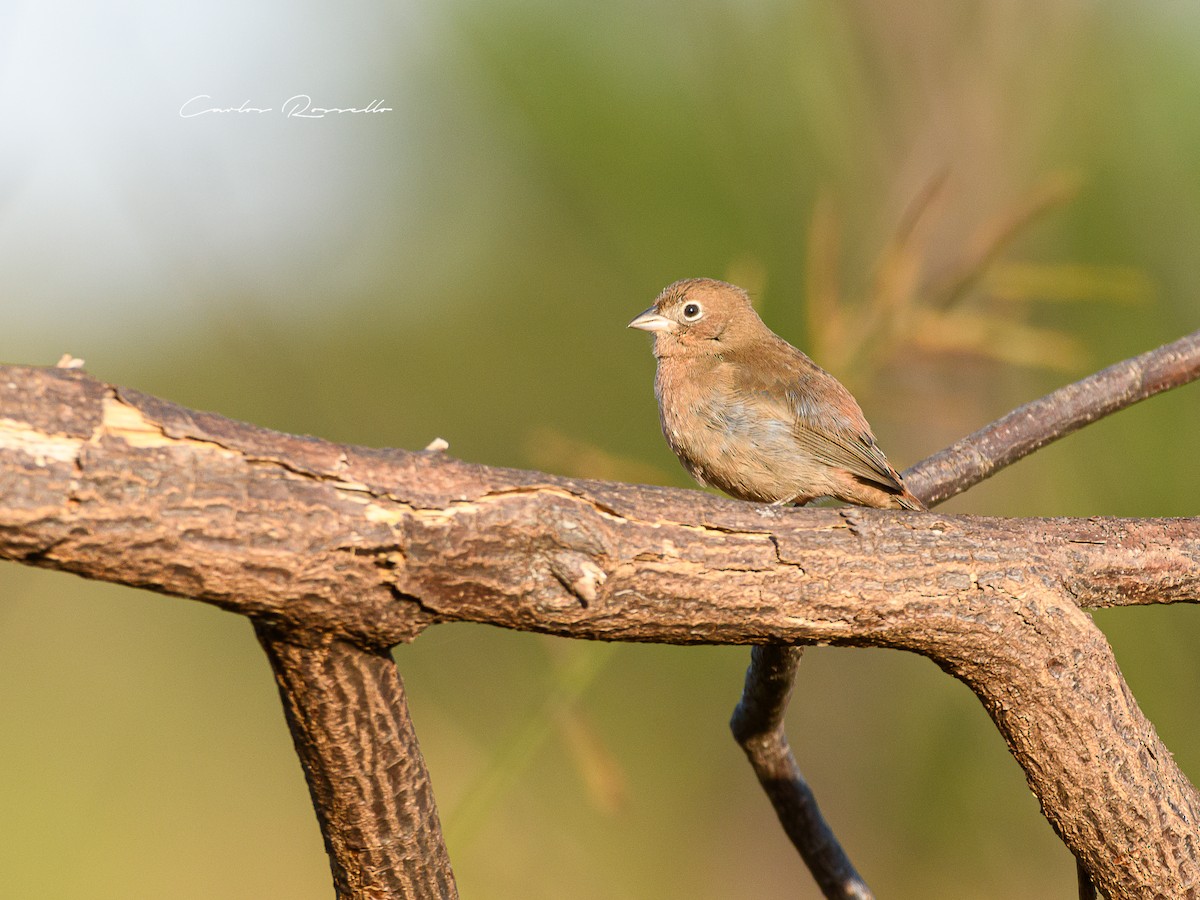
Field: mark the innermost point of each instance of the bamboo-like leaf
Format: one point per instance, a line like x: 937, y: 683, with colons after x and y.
x: 991, y: 239
x: 826, y: 318
x: 1000, y: 339
x: 549, y: 449
x: 601, y: 771
x: 1069, y: 282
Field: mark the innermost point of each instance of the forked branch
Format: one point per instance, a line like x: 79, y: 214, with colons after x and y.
x: 758, y: 720
x: 339, y: 548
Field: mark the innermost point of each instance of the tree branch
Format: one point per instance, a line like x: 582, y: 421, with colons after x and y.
x: 372, y: 546
x: 770, y: 677
x: 1036, y: 424
x: 346, y: 710
x: 757, y: 726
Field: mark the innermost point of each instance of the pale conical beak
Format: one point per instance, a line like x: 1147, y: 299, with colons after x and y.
x: 652, y: 321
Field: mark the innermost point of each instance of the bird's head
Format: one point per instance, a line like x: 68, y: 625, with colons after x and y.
x: 700, y: 315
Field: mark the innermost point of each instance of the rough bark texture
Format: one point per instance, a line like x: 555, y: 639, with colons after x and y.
x: 369, y: 547
x: 346, y: 710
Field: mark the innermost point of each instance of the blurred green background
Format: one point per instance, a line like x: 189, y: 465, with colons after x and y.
x: 955, y: 206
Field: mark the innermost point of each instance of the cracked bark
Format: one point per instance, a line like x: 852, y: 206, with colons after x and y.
x: 368, y: 547
x: 349, y: 720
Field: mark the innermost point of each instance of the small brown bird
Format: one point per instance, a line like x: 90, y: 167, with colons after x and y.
x: 748, y: 413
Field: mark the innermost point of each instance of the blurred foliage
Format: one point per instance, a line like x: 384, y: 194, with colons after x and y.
x: 955, y: 207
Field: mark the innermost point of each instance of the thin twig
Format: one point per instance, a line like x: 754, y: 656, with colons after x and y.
x: 1034, y: 425
x: 757, y: 726
x: 1087, y: 890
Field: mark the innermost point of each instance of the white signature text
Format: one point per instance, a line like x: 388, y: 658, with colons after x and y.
x: 299, y: 106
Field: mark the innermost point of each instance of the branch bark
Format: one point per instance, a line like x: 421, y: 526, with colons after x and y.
x: 346, y: 710
x: 369, y: 547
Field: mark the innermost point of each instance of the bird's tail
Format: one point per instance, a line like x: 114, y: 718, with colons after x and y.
x: 908, y: 500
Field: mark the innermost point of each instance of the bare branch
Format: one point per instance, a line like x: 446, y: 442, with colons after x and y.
x: 1056, y: 415
x: 769, y: 679
x: 758, y: 727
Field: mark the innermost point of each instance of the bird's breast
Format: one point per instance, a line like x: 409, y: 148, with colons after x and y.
x: 741, y: 443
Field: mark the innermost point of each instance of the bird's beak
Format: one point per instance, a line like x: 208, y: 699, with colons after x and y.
x: 652, y: 321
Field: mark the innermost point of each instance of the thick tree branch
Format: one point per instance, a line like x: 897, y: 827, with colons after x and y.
x: 346, y: 710
x: 372, y: 546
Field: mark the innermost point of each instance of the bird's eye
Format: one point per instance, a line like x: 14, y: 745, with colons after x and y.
x: 692, y: 311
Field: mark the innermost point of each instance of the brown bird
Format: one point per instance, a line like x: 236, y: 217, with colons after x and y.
x: 748, y: 413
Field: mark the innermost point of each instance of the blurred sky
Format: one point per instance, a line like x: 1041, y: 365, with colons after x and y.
x: 116, y: 207
x: 955, y: 206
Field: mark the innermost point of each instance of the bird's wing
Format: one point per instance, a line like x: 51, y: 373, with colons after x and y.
x: 834, y: 430
x: 835, y: 439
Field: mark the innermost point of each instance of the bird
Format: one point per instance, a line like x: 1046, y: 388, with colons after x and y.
x: 748, y: 413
